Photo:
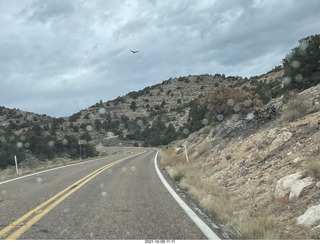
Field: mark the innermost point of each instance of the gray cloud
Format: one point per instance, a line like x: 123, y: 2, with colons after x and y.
x: 58, y: 56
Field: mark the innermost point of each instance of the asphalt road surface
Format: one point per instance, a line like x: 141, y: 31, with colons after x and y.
x: 117, y: 197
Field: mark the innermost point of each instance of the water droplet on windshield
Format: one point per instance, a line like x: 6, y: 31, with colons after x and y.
x: 89, y: 128
x: 133, y: 168
x: 103, y: 194
x: 65, y: 142
x: 3, y: 139
x: 185, y: 131
x: 121, y: 126
x: 29, y: 117
x: 51, y: 143
x: 220, y: 117
x: 110, y: 134
x: 303, y: 47
x: 140, y: 123
x: 67, y: 210
x: 27, y: 145
x: 295, y: 64
x: 286, y: 80
x: 250, y: 116
x: 124, y: 169
x: 102, y: 110
x: 19, y: 144
x: 39, y: 179
x: 205, y: 121
x: 230, y: 102
x: 298, y: 77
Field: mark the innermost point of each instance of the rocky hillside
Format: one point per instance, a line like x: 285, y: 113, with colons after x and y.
x: 267, y: 169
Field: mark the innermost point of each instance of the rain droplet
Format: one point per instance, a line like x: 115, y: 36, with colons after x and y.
x: 230, y: 102
x: 124, y: 169
x: 133, y: 168
x: 303, y: 46
x: 22, y: 138
x: 110, y: 134
x: 67, y: 210
x: 3, y: 139
x: 250, y: 116
x: 286, y: 80
x: 298, y: 77
x: 103, y: 194
x: 121, y: 126
x: 92, y: 116
x: 101, y: 186
x: 185, y: 131
x: 51, y: 143
x: 27, y: 145
x: 39, y: 179
x: 220, y: 117
x: 89, y: 128
x: 102, y: 110
x: 65, y: 142
x: 205, y: 121
x: 140, y: 123
x: 29, y: 117
x: 19, y: 144
x: 295, y: 64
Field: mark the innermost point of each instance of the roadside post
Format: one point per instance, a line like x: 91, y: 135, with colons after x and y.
x: 83, y: 142
x: 186, y: 151
x: 16, y: 161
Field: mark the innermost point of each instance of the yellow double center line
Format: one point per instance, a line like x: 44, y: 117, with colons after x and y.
x: 39, y: 212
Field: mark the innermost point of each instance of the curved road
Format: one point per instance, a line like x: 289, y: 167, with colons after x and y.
x: 117, y: 197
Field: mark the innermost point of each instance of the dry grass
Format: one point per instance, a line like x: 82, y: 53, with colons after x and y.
x: 216, y: 200
x: 313, y: 167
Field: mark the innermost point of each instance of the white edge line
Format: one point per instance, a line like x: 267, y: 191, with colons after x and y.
x: 202, y: 226
x: 47, y: 170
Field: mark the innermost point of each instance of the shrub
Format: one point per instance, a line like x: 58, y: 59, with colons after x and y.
x: 313, y: 167
x: 224, y: 101
x: 296, y: 108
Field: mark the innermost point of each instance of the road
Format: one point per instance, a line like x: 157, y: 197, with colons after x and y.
x: 117, y: 197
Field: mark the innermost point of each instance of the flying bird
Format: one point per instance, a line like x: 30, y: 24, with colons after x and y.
x: 134, y: 51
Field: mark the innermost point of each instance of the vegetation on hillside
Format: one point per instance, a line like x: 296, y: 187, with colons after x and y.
x: 48, y: 137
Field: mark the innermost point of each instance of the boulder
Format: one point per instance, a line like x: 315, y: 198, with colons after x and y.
x: 280, y: 139
x: 311, y: 216
x: 283, y: 185
x: 299, y: 186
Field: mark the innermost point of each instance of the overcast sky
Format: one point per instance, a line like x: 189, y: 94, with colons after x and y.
x: 60, y: 56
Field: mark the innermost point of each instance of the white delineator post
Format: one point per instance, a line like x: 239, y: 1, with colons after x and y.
x: 185, y: 149
x: 15, y: 160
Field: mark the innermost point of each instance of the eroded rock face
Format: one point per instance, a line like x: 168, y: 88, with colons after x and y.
x: 310, y: 217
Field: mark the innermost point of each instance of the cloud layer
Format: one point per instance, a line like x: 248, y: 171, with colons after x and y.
x: 58, y: 56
